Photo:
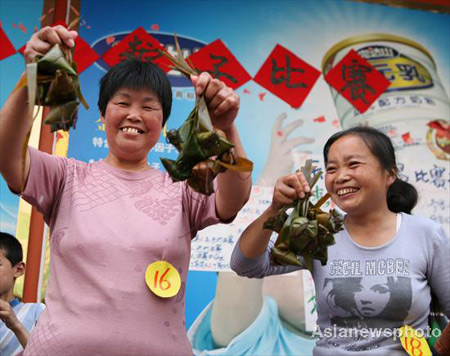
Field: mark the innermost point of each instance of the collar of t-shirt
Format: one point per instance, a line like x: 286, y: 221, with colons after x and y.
x: 14, y: 302
x: 399, y: 222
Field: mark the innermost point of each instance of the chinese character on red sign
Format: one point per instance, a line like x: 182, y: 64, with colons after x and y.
x: 83, y: 54
x: 138, y: 45
x: 217, y: 60
x: 357, y: 81
x: 6, y: 49
x: 287, y: 76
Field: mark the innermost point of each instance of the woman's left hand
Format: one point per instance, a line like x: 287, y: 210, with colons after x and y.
x: 222, y: 101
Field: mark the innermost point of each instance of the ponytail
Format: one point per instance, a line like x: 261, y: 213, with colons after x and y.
x: 401, y: 197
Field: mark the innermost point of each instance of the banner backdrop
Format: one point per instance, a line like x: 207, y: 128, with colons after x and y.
x: 409, y: 47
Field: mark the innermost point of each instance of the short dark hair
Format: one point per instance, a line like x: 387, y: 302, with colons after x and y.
x: 136, y: 74
x: 12, y: 248
x: 401, y: 196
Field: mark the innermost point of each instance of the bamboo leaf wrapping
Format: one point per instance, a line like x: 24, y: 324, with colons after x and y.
x: 307, y: 232
x: 203, y: 151
x: 52, y: 80
x: 55, y: 84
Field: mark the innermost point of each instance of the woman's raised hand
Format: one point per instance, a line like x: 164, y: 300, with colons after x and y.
x: 43, y: 40
x: 288, y: 189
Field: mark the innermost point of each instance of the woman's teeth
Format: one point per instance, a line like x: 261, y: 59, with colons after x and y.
x: 344, y: 191
x: 131, y: 130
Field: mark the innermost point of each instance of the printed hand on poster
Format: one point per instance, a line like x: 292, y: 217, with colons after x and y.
x: 280, y: 159
x: 277, y: 302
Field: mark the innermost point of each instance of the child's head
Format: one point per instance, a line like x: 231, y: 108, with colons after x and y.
x: 135, y: 74
x: 401, y: 196
x: 11, y: 265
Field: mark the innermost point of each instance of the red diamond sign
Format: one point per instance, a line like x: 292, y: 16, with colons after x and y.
x: 218, y: 60
x: 6, y: 48
x: 287, y: 76
x: 357, y: 80
x: 137, y: 45
x: 83, y: 55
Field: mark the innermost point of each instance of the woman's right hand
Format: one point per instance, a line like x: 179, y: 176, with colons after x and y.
x: 15, y: 122
x: 288, y: 189
x: 43, y: 40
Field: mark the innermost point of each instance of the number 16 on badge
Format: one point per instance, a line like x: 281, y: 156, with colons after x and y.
x: 163, y: 279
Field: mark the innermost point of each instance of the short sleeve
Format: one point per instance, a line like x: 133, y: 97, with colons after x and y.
x: 201, y: 209
x: 45, y: 181
x: 439, y: 270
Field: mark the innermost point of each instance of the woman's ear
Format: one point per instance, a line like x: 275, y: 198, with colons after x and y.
x: 391, y: 178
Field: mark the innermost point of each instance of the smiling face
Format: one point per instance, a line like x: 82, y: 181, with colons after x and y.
x: 354, y: 177
x: 133, y: 120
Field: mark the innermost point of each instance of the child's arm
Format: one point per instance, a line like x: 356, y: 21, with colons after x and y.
x: 9, y: 317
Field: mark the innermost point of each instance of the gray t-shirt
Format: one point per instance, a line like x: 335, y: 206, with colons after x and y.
x: 365, y: 294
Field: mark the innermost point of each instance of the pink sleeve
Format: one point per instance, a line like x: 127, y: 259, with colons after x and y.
x: 200, y: 208
x: 45, y: 181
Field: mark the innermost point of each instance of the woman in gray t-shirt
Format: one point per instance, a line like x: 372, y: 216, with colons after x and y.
x: 385, y: 263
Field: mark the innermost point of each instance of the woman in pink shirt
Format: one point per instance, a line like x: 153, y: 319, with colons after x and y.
x: 110, y: 219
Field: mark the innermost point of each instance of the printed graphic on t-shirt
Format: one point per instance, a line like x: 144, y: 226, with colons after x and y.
x: 367, y: 301
x: 370, y: 294
x: 100, y: 187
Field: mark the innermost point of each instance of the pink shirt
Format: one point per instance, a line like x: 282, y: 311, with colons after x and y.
x: 107, y: 225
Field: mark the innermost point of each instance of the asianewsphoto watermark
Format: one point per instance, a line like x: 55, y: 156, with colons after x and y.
x: 377, y: 333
